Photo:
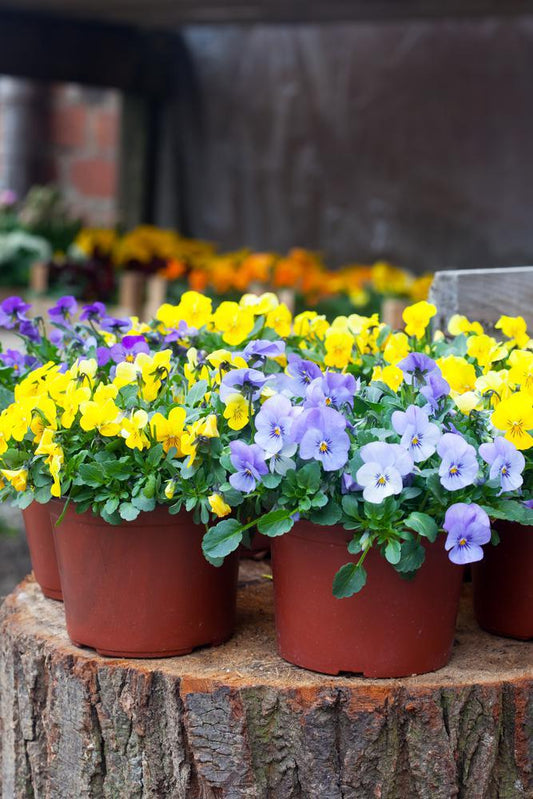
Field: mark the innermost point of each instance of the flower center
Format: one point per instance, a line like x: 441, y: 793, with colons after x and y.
x: 454, y: 470
x: 462, y: 542
x: 276, y: 431
x: 382, y: 480
x: 323, y: 447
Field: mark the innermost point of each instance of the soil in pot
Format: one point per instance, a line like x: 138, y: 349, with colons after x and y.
x: 392, y: 628
x: 503, y: 583
x: 143, y: 588
x: 40, y: 538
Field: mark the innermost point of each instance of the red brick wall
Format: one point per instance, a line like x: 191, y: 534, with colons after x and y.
x: 82, y: 149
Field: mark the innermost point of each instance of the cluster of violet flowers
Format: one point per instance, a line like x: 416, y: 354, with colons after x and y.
x: 310, y: 417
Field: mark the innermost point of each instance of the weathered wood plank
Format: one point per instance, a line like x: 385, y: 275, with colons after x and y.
x: 484, y: 294
x: 237, y: 722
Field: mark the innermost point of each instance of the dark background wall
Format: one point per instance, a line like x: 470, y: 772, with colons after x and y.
x: 408, y: 140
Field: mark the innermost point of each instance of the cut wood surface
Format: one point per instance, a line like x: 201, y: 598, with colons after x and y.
x: 483, y: 294
x: 237, y: 721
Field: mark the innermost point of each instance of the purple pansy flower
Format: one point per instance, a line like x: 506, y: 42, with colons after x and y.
x: 273, y: 424
x: 180, y: 332
x: 280, y: 462
x: 332, y: 389
x: 30, y: 331
x: 249, y: 462
x: 17, y: 360
x: 12, y: 312
x: 459, y: 466
x: 384, y: 467
x: 128, y: 349
x: 64, y: 308
x: 325, y: 439
x: 247, y: 382
x: 94, y: 312
x: 419, y: 435
x: 103, y: 355
x: 262, y: 348
x: 416, y: 365
x: 506, y: 463
x: 319, y: 417
x: 468, y: 527
x: 436, y: 387
x: 114, y: 324
x: 300, y: 374
x: 528, y: 503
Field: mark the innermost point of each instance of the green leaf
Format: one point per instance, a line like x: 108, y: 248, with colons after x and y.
x: 222, y: 539
x: 412, y: 556
x: 197, y: 392
x: 350, y: 506
x: 271, y: 480
x: 393, y: 551
x: 142, y: 502
x: 155, y: 455
x: 91, y: 475
x: 328, y: 515
x: 309, y: 477
x: 190, y: 503
x: 275, y: 523
x: 423, y: 524
x: 118, y: 469
x: 319, y: 500
x: 350, y: 579
x: 128, y: 511
x: 510, y: 510
x: 111, y: 505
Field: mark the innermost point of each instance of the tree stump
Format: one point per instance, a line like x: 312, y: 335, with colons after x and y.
x: 238, y: 722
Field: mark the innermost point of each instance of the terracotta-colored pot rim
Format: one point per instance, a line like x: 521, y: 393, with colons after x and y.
x: 160, y: 512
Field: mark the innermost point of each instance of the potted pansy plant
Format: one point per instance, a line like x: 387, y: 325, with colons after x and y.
x: 375, y: 500
x: 100, y: 430
x: 496, y: 377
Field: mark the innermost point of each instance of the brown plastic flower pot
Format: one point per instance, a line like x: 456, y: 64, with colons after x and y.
x: 503, y: 583
x: 42, y: 550
x: 392, y: 628
x: 142, y: 589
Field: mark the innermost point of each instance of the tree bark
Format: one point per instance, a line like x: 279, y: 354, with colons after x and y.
x: 238, y: 722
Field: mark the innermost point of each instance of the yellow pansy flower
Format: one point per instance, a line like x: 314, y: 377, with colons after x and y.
x: 391, y: 375
x: 101, y: 416
x: 515, y: 416
x: 70, y: 402
x: 417, y: 318
x: 170, y: 430
x: 133, y: 429
x: 515, y: 328
x: 485, y: 350
x: 218, y: 506
x: 18, y: 478
x: 466, y: 402
x: 126, y: 373
x: 521, y: 371
x: 495, y: 383
x: 202, y: 429
x: 236, y: 412
x: 397, y: 348
x: 261, y: 304
x: 461, y: 324
x: 280, y: 320
x: 339, y: 347
x: 460, y: 374
x: 235, y: 323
